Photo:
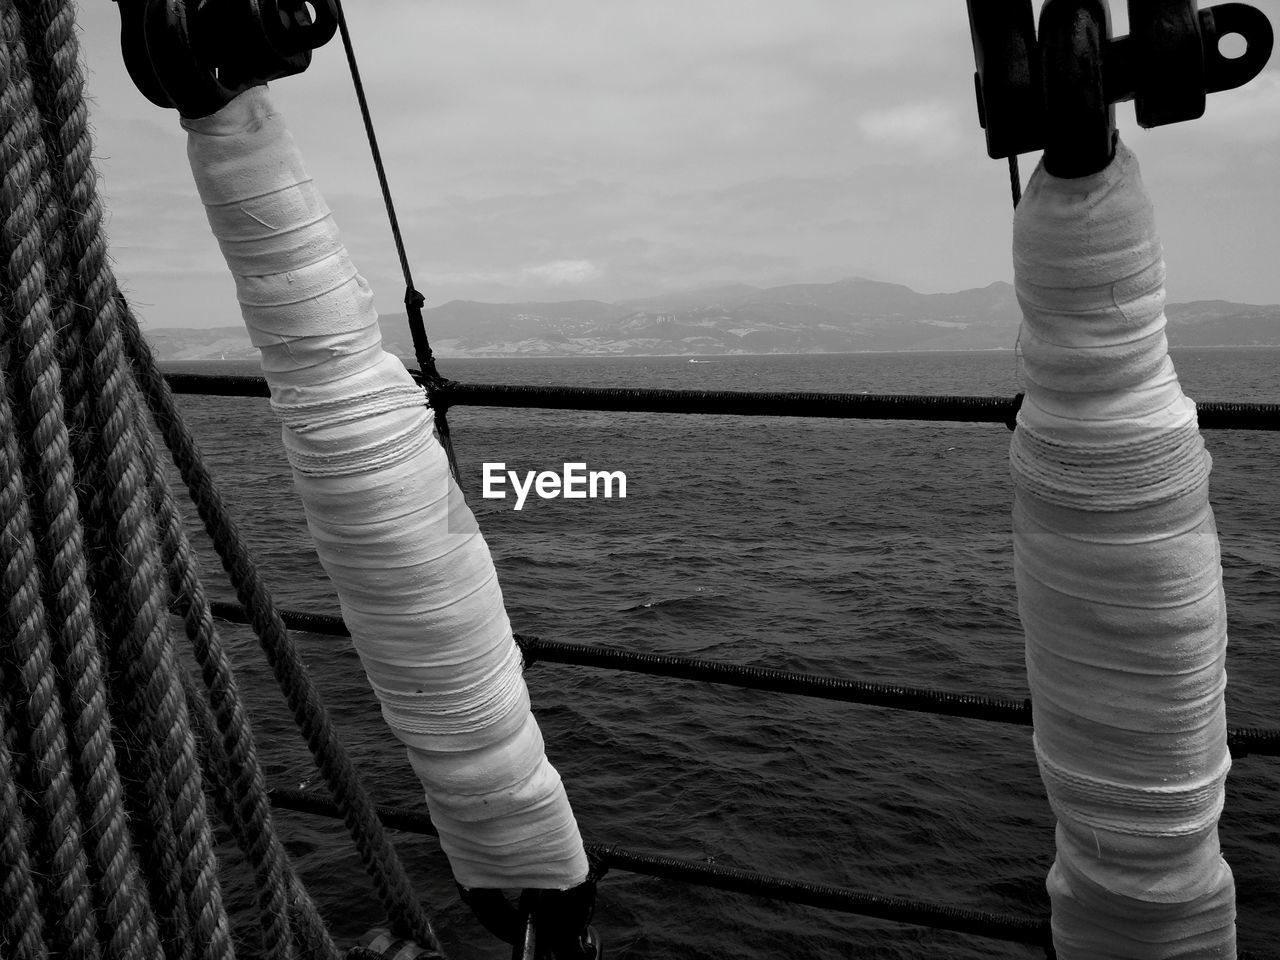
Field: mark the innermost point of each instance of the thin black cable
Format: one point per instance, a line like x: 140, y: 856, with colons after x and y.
x: 1015, y: 180
x: 983, y: 923
x: 377, y: 156
x: 1033, y: 931
x: 918, y: 699
x: 413, y: 299
x: 1242, y: 741
x: 1213, y: 415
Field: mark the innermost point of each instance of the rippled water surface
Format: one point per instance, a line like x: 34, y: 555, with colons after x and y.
x: 867, y: 550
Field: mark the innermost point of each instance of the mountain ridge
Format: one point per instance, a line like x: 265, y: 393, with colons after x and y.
x: 849, y: 315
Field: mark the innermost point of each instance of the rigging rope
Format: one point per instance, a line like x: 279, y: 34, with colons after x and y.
x: 413, y: 300
x: 51, y: 265
x: 97, y: 719
x: 1015, y: 180
x: 376, y: 852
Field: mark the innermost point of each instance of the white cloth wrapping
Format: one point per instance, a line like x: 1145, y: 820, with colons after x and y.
x: 1119, y: 582
x: 415, y: 579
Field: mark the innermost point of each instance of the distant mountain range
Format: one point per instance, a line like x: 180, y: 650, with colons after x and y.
x: 847, y: 316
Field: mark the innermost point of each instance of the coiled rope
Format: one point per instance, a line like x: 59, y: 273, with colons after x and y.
x: 376, y: 852
x: 52, y: 599
x: 106, y: 745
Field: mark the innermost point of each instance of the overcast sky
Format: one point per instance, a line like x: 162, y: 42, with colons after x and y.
x: 562, y: 149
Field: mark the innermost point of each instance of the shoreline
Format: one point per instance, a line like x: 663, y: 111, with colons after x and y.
x: 712, y: 357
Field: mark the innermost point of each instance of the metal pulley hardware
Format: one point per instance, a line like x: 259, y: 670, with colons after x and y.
x: 197, y: 55
x: 381, y: 944
x: 1057, y: 91
x: 544, y: 924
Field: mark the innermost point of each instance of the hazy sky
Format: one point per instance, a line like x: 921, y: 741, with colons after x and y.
x: 561, y: 149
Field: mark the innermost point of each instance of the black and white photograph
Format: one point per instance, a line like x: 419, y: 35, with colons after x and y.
x: 565, y: 480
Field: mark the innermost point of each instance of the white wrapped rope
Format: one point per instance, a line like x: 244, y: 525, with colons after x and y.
x: 415, y: 579
x: 1119, y: 582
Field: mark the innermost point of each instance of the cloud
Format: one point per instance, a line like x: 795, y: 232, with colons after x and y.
x: 927, y: 127
x: 554, y: 273
x: 1250, y: 114
x: 562, y: 273
x: 617, y: 149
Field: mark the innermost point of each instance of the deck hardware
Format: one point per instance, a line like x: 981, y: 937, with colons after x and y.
x: 1057, y: 91
x: 381, y: 944
x: 1007, y: 83
x: 197, y: 56
x: 544, y: 924
x: 1079, y: 118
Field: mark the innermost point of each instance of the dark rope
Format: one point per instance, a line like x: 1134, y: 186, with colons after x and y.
x: 315, y: 942
x: 1219, y: 415
x: 225, y: 728
x: 21, y: 923
x: 940, y: 916
x: 36, y: 378
x: 376, y: 853
x: 129, y: 578
x: 413, y: 300
x: 33, y: 715
x: 92, y: 543
x: 1015, y: 180
x: 1242, y: 740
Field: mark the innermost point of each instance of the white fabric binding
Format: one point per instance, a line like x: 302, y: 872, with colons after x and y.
x: 1119, y: 583
x: 415, y: 580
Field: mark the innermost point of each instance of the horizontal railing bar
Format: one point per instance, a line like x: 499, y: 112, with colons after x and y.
x: 922, y: 700
x: 996, y: 926
x: 1242, y: 741
x: 1226, y: 415
x: 217, y: 385
x: 843, y: 406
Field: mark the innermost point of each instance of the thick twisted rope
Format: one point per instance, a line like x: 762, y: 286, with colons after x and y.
x: 113, y: 857
x: 376, y: 853
x: 24, y: 195
x: 50, y: 33
x: 237, y: 774
x: 305, y: 933
x: 130, y: 576
x: 22, y: 923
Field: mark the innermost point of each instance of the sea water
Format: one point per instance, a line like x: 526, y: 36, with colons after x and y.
x: 867, y: 550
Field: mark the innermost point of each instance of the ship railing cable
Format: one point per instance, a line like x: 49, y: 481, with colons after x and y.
x: 1033, y: 931
x: 1243, y: 741
x: 996, y: 926
x: 1213, y: 415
